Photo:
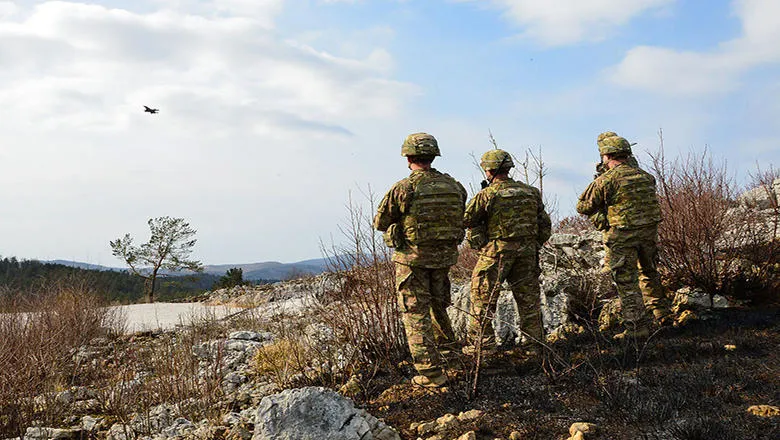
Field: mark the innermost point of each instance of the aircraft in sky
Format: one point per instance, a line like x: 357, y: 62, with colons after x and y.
x: 151, y: 110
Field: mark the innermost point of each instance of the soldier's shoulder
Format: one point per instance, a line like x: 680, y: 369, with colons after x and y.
x: 527, y: 187
x: 403, y: 185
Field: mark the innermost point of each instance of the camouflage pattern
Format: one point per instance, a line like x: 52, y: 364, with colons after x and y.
x: 422, y: 216
x: 520, y: 268
x: 420, y: 144
x: 511, y: 211
x: 605, y: 135
x: 599, y: 219
x: 423, y: 298
x: 496, y: 159
x: 614, y: 145
x: 515, y: 226
x: 628, y: 195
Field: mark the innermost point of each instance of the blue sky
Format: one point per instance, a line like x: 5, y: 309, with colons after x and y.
x: 272, y: 111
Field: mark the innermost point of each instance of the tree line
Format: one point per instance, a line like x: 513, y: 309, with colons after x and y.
x: 25, y: 277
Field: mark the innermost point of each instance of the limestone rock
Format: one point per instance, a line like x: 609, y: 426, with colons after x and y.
x: 762, y: 197
x: 316, y: 413
x: 693, y: 299
x: 764, y: 410
x: 470, y: 415
x: 39, y: 433
x: 471, y: 435
x: 583, y: 427
x: 119, y: 431
x: 427, y: 427
x: 447, y: 421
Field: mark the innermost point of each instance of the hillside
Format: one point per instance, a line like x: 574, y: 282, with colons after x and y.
x: 262, y: 271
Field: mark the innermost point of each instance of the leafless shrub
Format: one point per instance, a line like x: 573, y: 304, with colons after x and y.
x: 573, y: 224
x: 37, y: 346
x: 706, y: 239
x: 364, y: 313
x: 155, y: 369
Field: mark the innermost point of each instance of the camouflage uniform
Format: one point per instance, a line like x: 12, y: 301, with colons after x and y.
x: 627, y: 194
x: 422, y: 219
x: 508, y: 224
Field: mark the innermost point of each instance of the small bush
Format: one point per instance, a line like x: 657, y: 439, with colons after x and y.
x: 573, y: 224
x: 37, y: 350
x: 707, y: 239
x: 363, y: 312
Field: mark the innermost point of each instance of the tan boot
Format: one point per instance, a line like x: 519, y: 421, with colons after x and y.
x: 638, y: 331
x: 430, y: 382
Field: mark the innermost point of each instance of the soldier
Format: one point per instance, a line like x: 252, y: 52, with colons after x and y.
x: 599, y: 219
x: 627, y: 195
x: 422, y: 219
x: 508, y: 225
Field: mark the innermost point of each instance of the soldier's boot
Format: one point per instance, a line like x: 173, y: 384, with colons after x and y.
x: 450, y: 351
x: 634, y: 330
x: 432, y: 380
x: 663, y: 317
x: 488, y: 347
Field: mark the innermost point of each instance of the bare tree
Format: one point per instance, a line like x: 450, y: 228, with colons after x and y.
x: 169, y: 248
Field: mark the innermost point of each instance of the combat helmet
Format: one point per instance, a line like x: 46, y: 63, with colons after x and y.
x: 420, y: 144
x: 614, y: 145
x: 496, y: 159
x: 605, y: 135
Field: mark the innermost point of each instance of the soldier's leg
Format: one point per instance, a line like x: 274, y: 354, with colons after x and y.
x: 622, y: 256
x: 524, y: 280
x: 414, y: 302
x: 440, y: 300
x: 653, y: 292
x: 485, y: 289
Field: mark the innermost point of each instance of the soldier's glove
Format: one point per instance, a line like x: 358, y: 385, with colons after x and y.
x: 393, y: 237
x: 601, y: 168
x: 477, y: 237
x: 484, y: 184
x: 600, y: 221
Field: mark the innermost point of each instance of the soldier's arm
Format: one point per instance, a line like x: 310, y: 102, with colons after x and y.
x: 592, y: 199
x: 543, y: 221
x: 476, y: 211
x: 463, y: 193
x: 390, y: 208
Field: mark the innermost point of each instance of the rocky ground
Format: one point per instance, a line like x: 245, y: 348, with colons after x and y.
x: 698, y: 380
x: 277, y: 370
x: 693, y: 382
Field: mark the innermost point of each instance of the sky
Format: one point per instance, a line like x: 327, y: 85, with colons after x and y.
x: 274, y: 113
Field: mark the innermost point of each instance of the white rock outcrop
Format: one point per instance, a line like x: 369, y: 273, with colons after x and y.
x: 315, y: 413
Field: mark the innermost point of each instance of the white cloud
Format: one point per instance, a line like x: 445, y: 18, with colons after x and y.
x: 564, y: 22
x: 7, y: 9
x: 252, y: 123
x: 675, y: 72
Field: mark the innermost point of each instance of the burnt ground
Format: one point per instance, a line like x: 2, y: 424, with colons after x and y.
x: 682, y: 384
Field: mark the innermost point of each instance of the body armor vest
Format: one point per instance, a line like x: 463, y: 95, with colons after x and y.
x: 635, y: 203
x: 512, y: 212
x: 436, y: 210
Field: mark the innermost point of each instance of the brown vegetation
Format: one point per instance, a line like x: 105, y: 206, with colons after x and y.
x: 706, y: 239
x: 37, y: 348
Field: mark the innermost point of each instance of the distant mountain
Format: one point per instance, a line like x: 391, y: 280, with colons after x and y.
x: 84, y: 265
x: 272, y: 270
x: 269, y: 270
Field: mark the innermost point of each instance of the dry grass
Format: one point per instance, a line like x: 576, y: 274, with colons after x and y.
x: 37, y: 350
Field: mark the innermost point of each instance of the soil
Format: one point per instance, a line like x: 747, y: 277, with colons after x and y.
x: 694, y: 382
